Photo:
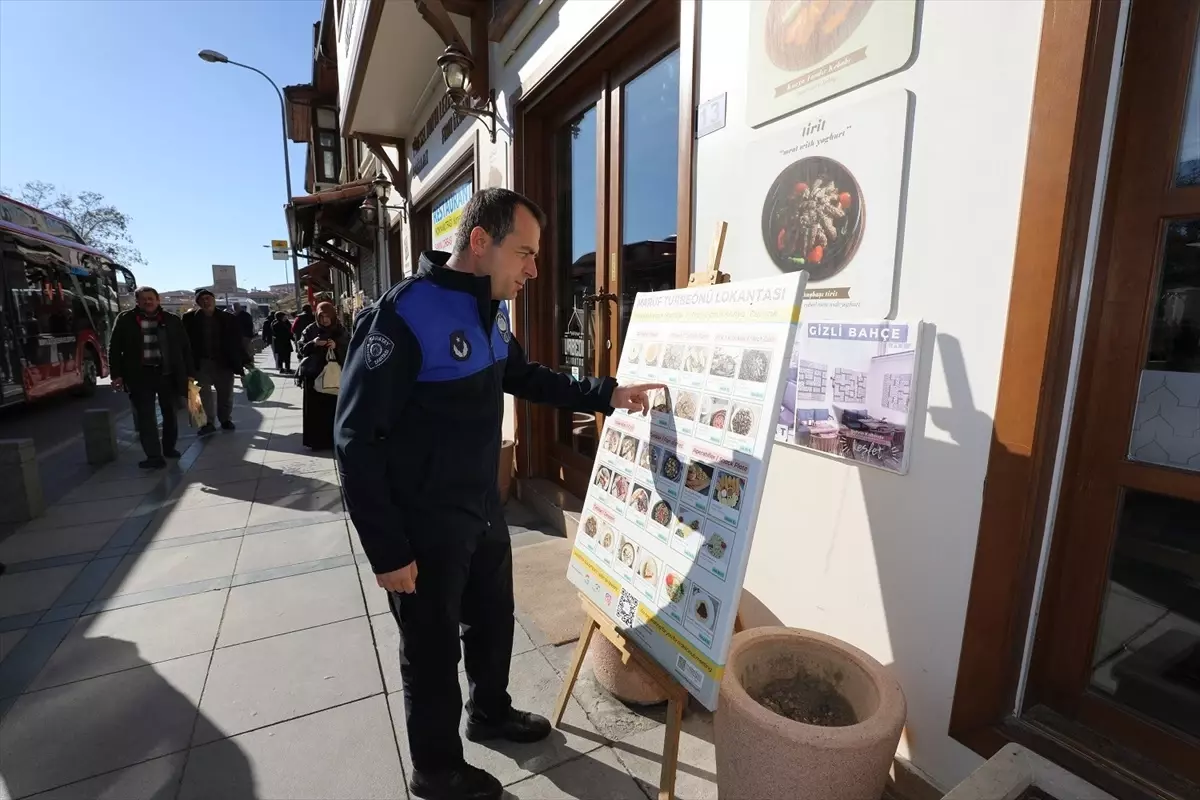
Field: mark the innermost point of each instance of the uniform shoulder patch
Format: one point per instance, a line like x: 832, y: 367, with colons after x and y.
x: 378, y: 349
x: 502, y: 325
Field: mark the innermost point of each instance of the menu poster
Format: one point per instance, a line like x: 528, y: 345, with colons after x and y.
x: 669, y: 517
x: 804, y: 51
x: 831, y: 185
x: 851, y: 391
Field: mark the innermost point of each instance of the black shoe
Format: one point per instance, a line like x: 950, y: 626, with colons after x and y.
x: 2, y: 567
x: 206, y: 430
x: 153, y: 463
x: 464, y: 782
x: 172, y: 453
x: 228, y: 425
x: 517, y: 726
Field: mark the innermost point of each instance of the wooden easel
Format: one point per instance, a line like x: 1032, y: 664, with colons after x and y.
x: 595, y: 620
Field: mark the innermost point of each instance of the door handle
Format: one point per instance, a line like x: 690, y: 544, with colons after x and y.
x: 592, y: 299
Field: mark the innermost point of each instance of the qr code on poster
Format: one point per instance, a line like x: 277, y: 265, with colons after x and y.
x: 690, y: 672
x: 627, y: 608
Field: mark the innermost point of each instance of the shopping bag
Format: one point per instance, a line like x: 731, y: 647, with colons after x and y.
x: 195, y: 408
x: 330, y: 379
x: 257, y: 385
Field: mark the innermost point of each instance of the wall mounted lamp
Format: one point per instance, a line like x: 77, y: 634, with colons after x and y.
x: 456, y: 69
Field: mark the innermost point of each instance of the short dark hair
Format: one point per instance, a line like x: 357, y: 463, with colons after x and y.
x: 143, y: 289
x: 494, y: 210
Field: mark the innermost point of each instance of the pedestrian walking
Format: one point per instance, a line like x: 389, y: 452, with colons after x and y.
x: 246, y: 327
x: 324, y: 336
x: 216, y: 341
x: 277, y: 332
x: 417, y: 442
x: 301, y: 322
x: 150, y: 357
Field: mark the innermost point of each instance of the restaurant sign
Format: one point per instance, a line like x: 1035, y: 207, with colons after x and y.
x: 420, y: 153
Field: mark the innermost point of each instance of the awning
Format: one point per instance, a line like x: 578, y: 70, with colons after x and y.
x: 318, y: 275
x: 331, y: 214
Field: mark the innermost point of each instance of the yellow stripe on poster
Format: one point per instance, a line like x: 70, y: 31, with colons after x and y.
x: 714, y: 671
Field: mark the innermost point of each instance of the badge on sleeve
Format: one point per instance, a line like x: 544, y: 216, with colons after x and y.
x: 379, y: 349
x: 502, y: 326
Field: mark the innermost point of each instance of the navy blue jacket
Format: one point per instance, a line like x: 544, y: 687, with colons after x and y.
x: 418, y: 425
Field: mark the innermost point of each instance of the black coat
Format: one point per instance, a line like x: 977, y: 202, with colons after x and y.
x: 302, y: 322
x: 229, y: 351
x: 419, y: 414
x: 125, y: 351
x: 281, y: 336
x: 314, y: 356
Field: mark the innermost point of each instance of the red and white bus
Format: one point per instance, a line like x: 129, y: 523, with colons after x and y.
x: 58, y: 300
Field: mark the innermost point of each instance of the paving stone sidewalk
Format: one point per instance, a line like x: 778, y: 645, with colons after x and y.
x: 213, y: 631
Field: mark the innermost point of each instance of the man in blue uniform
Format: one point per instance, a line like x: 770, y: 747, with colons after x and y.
x: 417, y: 436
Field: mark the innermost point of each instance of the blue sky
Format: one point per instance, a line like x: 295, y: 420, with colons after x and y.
x: 110, y: 97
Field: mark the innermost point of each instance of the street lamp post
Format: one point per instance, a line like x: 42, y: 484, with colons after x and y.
x: 213, y: 57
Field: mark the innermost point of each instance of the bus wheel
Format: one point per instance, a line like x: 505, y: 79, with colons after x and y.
x: 90, y: 370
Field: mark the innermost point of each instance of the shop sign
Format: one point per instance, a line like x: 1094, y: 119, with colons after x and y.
x: 673, y: 497
x: 447, y: 214
x: 420, y: 153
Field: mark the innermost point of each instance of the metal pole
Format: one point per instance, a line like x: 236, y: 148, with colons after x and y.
x: 287, y: 169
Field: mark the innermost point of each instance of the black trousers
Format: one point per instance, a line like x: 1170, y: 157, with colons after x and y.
x: 154, y: 386
x: 461, y: 580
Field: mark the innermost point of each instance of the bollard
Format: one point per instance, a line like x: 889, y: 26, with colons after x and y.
x: 99, y: 435
x: 22, y: 498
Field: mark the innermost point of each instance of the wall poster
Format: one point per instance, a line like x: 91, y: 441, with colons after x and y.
x: 804, y: 51
x: 669, y: 517
x: 831, y: 186
x: 851, y: 391
x: 447, y: 212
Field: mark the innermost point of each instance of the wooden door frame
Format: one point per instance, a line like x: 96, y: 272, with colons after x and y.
x: 1075, y: 59
x: 591, y: 56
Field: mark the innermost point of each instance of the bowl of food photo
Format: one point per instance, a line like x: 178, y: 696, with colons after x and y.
x: 799, y: 34
x: 813, y: 217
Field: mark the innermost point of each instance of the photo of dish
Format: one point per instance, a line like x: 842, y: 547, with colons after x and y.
x: 629, y: 446
x: 606, y: 539
x: 802, y: 33
x: 612, y: 441
x: 647, y: 567
x: 696, y: 359
x: 724, y: 363
x: 673, y: 357
x: 755, y: 366
x: 603, y: 476
x: 713, y: 412
x: 620, y: 487
x: 627, y: 552
x: 660, y: 401
x: 685, y: 406
x: 687, y: 522
x: 639, y: 500
x: 744, y: 421
x: 671, y: 467
x: 704, y: 607
x: 650, y: 355
x: 715, y: 546
x: 729, y: 490
x: 699, y: 477
x: 590, y: 526
x: 661, y: 513
x: 633, y: 353
x: 673, y: 584
x: 649, y: 457
x: 812, y: 218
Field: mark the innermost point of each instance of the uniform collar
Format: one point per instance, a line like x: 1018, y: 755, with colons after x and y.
x: 433, y: 267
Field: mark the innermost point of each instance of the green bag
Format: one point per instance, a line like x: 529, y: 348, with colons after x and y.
x: 257, y: 385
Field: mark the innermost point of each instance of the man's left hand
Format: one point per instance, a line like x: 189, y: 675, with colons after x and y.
x: 635, y: 397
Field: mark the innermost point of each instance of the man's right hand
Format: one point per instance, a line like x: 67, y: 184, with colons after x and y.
x: 403, y: 580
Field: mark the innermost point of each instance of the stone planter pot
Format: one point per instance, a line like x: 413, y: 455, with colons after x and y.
x: 504, y: 476
x: 629, y: 683
x: 761, y: 753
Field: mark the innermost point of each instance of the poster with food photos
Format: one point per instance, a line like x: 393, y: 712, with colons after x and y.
x: 667, y: 524
x: 851, y: 391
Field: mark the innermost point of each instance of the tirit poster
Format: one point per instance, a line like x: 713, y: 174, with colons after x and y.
x: 666, y: 528
x: 851, y: 391
x: 803, y: 51
x: 831, y: 186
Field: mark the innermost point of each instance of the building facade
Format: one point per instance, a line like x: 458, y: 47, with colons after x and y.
x: 1016, y: 178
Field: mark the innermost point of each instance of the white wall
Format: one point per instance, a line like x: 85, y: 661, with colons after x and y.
x: 880, y: 560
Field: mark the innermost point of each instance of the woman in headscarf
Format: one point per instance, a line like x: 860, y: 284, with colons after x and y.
x: 280, y: 333
x: 326, y: 335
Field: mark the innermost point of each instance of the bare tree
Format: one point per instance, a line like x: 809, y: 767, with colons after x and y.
x: 100, y: 224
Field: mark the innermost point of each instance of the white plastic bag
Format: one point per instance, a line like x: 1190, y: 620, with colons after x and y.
x: 330, y: 379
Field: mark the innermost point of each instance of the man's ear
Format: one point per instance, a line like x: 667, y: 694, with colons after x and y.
x: 480, y: 239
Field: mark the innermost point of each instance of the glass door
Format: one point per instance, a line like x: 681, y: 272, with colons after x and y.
x: 1118, y: 645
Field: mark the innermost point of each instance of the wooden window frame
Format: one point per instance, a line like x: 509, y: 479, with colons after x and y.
x: 1071, y: 90
x: 532, y: 130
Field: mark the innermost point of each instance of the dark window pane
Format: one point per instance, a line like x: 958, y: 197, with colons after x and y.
x: 1166, y: 424
x: 1148, y: 646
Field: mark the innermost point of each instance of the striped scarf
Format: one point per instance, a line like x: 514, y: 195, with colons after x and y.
x: 151, y: 344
